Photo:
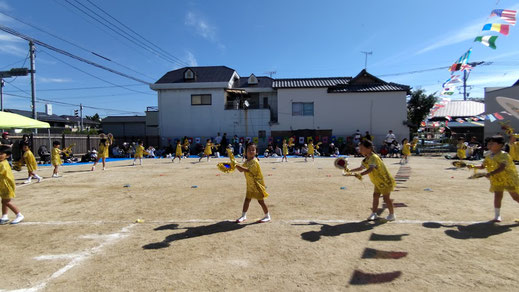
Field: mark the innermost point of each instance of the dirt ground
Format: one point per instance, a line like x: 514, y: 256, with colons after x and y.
x: 80, y: 231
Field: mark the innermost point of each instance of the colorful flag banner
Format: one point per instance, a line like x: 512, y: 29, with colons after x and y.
x: 459, y: 120
x: 448, y: 118
x: 491, y: 118
x: 461, y: 61
x: 488, y: 40
x: 479, y: 124
x: 505, y: 14
x: 501, y: 28
x: 423, y: 124
x: 498, y: 116
x: 452, y: 81
x: 506, y: 113
x: 301, y: 140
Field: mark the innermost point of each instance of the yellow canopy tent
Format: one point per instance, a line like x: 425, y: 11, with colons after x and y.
x: 16, y: 121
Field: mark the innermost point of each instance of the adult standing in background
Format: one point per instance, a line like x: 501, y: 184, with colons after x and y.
x: 368, y: 136
x: 224, y: 144
x: 5, y: 141
x: 390, y: 138
x: 356, y: 137
x: 236, y: 142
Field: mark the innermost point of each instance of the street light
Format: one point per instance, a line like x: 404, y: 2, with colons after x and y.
x: 7, y: 74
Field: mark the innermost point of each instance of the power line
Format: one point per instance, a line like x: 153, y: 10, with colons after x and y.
x: 139, y: 35
x: 94, y: 76
x: 63, y: 52
x: 122, y: 33
x: 75, y: 45
x: 87, y: 88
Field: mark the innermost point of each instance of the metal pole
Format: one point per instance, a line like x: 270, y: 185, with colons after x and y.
x: 1, y: 94
x: 33, y: 89
x: 81, y: 117
x: 464, y: 84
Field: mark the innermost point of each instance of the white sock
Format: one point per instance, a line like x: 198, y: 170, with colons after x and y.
x: 29, y: 178
x: 4, y: 217
x: 244, y: 214
x: 497, y: 211
x: 267, y: 215
x: 37, y: 176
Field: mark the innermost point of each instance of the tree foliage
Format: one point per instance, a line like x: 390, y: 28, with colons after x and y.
x: 418, y: 108
x: 94, y: 118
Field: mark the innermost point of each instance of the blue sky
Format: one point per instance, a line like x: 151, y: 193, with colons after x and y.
x: 294, y: 38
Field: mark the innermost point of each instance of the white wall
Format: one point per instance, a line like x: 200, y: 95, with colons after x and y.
x: 344, y: 113
x: 178, y: 118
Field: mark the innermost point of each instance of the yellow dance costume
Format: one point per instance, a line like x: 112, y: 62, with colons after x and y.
x: 178, y: 151
x: 380, y: 176
x: 139, y: 152
x: 285, y: 149
x: 506, y: 179
x: 461, y: 152
x: 55, y: 156
x: 208, y: 149
x: 254, y: 178
x: 407, y: 149
x: 311, y: 148
x: 103, y: 150
x: 30, y: 161
x: 7, y: 185
x: 514, y: 150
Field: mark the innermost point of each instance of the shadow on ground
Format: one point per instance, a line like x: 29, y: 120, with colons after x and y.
x: 336, y: 230
x: 191, y: 232
x: 472, y: 231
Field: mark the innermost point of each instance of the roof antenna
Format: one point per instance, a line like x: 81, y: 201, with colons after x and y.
x: 270, y: 73
x: 366, y: 59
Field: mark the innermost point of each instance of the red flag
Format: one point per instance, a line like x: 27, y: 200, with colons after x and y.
x: 498, y: 116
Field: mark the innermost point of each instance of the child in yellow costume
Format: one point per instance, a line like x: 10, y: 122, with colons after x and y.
x: 501, y: 172
x: 255, y: 184
x: 207, y: 150
x: 379, y: 176
x: 178, y: 152
x: 285, y: 151
x: 102, y: 152
x: 406, y: 151
x: 29, y: 161
x: 139, y: 152
x: 462, y: 149
x: 55, y: 158
x: 514, y: 147
x: 7, y: 188
x: 311, y: 150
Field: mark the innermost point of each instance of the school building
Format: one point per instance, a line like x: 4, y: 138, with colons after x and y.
x: 200, y: 102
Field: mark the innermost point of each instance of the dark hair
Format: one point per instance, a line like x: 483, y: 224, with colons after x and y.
x: 5, y: 149
x: 461, y: 138
x: 102, y: 141
x: 367, y: 143
x: 404, y: 140
x: 497, y: 139
x: 56, y: 143
x: 25, y: 144
x: 140, y: 142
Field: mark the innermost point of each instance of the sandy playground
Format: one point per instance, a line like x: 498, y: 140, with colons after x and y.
x: 80, y: 231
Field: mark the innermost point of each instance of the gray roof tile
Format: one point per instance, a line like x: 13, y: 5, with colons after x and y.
x: 309, y: 82
x: 202, y: 74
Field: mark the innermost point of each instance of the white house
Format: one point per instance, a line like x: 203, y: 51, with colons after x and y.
x: 199, y: 102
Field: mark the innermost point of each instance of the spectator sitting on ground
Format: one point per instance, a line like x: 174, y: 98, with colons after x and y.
x: 151, y: 152
x: 304, y: 150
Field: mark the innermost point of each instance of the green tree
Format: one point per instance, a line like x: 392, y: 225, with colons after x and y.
x: 94, y: 118
x: 418, y: 108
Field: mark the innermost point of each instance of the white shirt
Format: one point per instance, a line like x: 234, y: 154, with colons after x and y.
x: 218, y: 140
x: 390, y: 138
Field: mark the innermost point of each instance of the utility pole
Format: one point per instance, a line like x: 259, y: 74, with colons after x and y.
x: 33, y: 89
x: 1, y: 94
x: 366, y: 59
x: 81, y: 117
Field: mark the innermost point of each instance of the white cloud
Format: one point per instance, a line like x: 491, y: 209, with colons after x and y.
x: 9, y: 38
x: 53, y: 80
x: 191, y: 60
x: 203, y: 28
x: 14, y: 50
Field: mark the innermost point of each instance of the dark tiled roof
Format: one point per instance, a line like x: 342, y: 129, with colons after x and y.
x: 369, y: 88
x: 202, y: 74
x: 74, y: 119
x: 516, y: 83
x: 41, y: 116
x: 124, y: 119
x: 310, y: 82
x: 262, y: 82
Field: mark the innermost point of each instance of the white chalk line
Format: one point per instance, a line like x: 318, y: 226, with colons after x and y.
x: 77, y: 258
x: 274, y: 221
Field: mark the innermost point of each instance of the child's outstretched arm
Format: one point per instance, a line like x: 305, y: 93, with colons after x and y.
x: 241, y: 168
x: 357, y: 169
x: 501, y: 168
x: 370, y: 169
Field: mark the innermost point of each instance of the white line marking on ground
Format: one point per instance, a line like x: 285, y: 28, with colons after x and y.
x: 294, y: 221
x: 76, y: 258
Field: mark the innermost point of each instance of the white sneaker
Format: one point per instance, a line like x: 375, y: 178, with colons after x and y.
x: 40, y: 179
x: 391, y: 217
x: 265, y: 219
x: 104, y: 168
x: 54, y: 175
x: 93, y: 168
x: 497, y: 219
x: 27, y: 182
x: 373, y: 217
x: 18, y: 219
x: 241, y: 219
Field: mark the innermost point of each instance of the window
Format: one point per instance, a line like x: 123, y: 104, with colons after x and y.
x: 189, y: 74
x: 302, y: 108
x: 201, y: 99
